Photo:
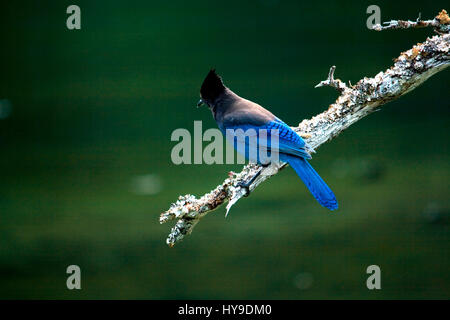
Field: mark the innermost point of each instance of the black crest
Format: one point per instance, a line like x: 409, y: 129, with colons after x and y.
x: 212, y: 86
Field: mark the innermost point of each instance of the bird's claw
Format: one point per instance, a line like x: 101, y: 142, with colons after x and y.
x: 244, y: 186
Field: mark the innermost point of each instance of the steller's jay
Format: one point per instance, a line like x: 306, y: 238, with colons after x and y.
x: 233, y: 112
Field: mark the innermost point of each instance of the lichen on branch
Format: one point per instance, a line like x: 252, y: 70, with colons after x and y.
x: 410, y: 69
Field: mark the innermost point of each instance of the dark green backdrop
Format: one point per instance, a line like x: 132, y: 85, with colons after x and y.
x: 85, y: 153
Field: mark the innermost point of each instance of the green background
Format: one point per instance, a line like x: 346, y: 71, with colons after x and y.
x: 85, y: 153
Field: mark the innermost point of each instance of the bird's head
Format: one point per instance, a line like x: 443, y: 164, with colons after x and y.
x: 211, y: 89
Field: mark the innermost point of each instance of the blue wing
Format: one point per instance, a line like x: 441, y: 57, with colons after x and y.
x: 289, y: 142
x: 291, y: 149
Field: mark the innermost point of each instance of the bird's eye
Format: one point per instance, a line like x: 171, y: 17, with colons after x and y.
x: 200, y: 103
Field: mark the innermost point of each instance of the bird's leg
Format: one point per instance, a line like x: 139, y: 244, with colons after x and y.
x: 246, y: 185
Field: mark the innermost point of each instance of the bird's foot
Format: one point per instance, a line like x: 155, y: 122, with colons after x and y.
x: 246, y: 185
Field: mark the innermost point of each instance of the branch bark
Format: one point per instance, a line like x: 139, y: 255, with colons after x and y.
x: 441, y: 23
x: 410, y: 69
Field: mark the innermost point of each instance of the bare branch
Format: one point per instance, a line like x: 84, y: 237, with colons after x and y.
x: 441, y: 23
x: 338, y: 84
x: 410, y: 69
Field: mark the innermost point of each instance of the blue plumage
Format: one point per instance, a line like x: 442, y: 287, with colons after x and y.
x: 312, y: 180
x: 232, y: 112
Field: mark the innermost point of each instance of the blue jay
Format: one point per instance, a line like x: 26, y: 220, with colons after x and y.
x: 232, y: 112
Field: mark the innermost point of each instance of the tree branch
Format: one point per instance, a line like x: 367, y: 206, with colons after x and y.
x: 441, y: 23
x: 410, y: 69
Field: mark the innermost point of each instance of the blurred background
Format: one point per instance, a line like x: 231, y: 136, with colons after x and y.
x: 85, y: 123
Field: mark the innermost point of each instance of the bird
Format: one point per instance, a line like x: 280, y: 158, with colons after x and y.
x: 232, y: 112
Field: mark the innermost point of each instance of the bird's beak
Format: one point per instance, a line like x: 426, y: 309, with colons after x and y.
x: 200, y: 103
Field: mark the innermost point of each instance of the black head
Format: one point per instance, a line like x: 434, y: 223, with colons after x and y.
x: 212, y: 87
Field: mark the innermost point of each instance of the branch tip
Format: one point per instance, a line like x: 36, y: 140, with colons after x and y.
x: 331, y: 82
x: 441, y: 23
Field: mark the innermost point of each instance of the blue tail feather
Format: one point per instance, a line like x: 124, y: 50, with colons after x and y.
x: 312, y: 180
